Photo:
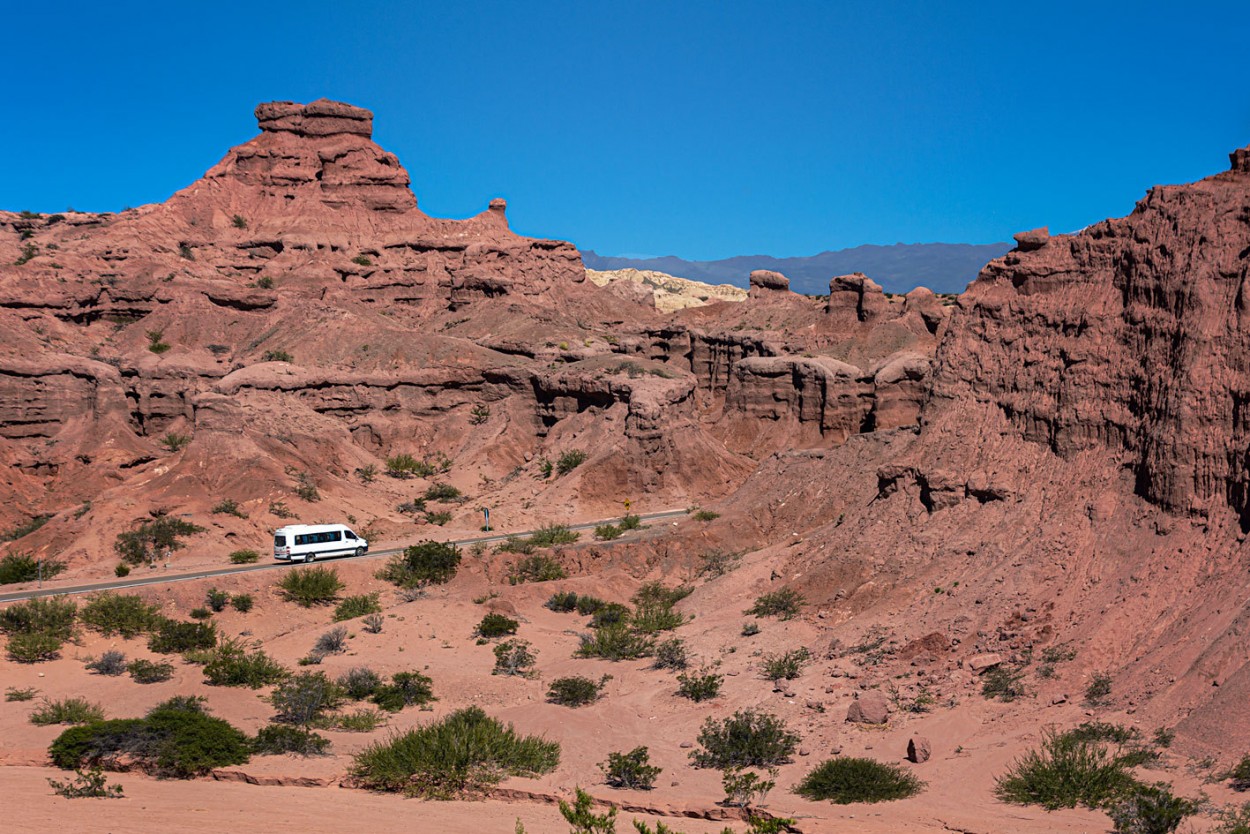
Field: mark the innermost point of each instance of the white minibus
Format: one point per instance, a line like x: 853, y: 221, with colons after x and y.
x: 306, y: 542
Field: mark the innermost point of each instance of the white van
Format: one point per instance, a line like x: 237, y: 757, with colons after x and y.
x: 306, y: 542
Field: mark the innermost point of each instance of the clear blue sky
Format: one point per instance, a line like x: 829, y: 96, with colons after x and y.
x: 701, y: 129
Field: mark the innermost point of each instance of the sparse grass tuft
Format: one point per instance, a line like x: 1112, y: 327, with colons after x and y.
x: 357, y: 606
x: 784, y: 604
x: 67, y: 711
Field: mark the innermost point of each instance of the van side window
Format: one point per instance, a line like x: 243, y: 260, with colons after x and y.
x: 301, y: 539
x: 336, y: 536
x: 351, y: 535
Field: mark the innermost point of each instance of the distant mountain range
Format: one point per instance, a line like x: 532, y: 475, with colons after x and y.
x: 942, y: 267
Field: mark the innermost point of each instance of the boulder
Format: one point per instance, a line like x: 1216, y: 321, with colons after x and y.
x: 918, y: 749
x: 1033, y: 239
x: 982, y: 662
x: 870, y: 707
x: 764, y: 280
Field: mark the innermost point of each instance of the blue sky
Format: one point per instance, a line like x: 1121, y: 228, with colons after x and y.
x: 700, y: 129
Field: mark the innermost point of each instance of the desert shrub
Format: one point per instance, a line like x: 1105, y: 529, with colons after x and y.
x: 1103, y: 731
x: 280, y: 509
x: 630, y: 522
x: 552, y: 534
x: 570, y: 460
x: 244, y: 557
x: 405, y: 465
x: 513, y: 657
x: 121, y: 569
x: 87, y: 784
x: 199, y: 613
x: 442, y: 492
x: 216, y: 599
x: 514, y: 544
x: 406, y: 689
x: 367, y: 474
x: 124, y: 614
x: 306, y: 488
x: 654, y: 618
x: 426, y: 563
x: 333, y: 641
x: 784, y: 604
x: 439, y: 519
x: 671, y: 654
x: 24, y: 567
x: 372, y: 623
x: 1163, y: 737
x: 848, y: 779
x: 357, y: 606
x: 174, y: 442
x: 701, y: 685
x: 53, y: 616
x: 67, y: 711
x: 276, y: 739
x: 632, y: 770
x: 562, y: 602
x: 497, y: 625
x: 536, y: 568
x: 13, y: 693
x: 110, y: 663
x: 657, y: 593
x: 238, y: 222
x: 479, y: 414
x: 311, y: 586
x: 576, y: 691
x: 1003, y: 683
x: 582, y: 820
x: 786, y: 666
x: 610, y: 614
x: 705, y: 515
x: 413, y: 507
x: 1239, y: 775
x: 742, y: 787
x: 1150, y: 809
x: 466, y: 752
x: 35, y: 647
x: 147, y: 671
x: 176, y: 739
x: 1234, y: 821
x: 608, y: 532
x: 615, y: 642
x: 717, y: 563
x: 750, y: 629
x: 242, y: 602
x: 359, y: 682
x: 304, y: 697
x: 362, y: 260
x: 587, y: 605
x: 232, y: 665
x: 357, y: 721
x: 745, y: 739
x: 228, y: 506
x: 175, y: 637
x: 1063, y: 773
x: 276, y: 356
x: 1099, y: 690
x: 153, y: 539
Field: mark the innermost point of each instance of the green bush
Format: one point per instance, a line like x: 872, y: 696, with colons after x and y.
x: 631, y: 522
x: 232, y: 665
x: 439, y: 518
x: 199, y: 613
x: 610, y: 614
x: 513, y: 657
x: 67, y: 711
x: 34, y: 648
x: 705, y: 515
x: 657, y: 593
x: 562, y: 602
x: 147, y: 671
x: 576, y: 691
x: 111, y: 663
x: 442, y: 492
x: 357, y: 721
x: 1099, y: 690
x: 359, y: 682
x: 357, y: 606
x: 570, y: 460
x: 582, y: 820
x: 632, y: 770
x: 406, y: 689
x: 311, y: 586
x: 175, y: 637
x: 552, y: 535
x: 497, y: 625
x: 305, y: 697
x: 24, y: 567
x: 745, y: 739
x: 244, y: 557
x: 1003, y: 683
x: 53, y: 616
x: 1065, y: 772
x: 427, y: 563
x: 844, y: 780
x: 123, y: 614
x: 87, y: 784
x: 174, y: 442
x: 238, y: 222
x: 121, y: 569
x: 216, y: 600
x: 276, y: 356
x: 242, y: 602
x: 466, y: 752
x: 671, y: 654
x: 615, y: 642
x: 228, y: 506
x: 277, y: 739
x: 587, y: 605
x: 405, y: 465
x: 153, y: 539
x: 786, y: 666
x: 333, y: 641
x: 177, y: 739
x: 1150, y: 809
x: 13, y: 694
x: 702, y: 685
x: 608, y: 532
x: 654, y: 618
x: 536, y: 568
x: 750, y: 629
x: 1234, y: 821
x: 784, y: 604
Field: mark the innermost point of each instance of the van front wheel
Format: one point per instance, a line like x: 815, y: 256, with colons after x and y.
x: 360, y: 551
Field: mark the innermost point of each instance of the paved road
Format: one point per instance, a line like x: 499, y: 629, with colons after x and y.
x: 161, y: 578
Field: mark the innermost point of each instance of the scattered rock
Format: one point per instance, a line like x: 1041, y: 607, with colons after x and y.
x: 918, y: 750
x: 871, y: 707
x: 981, y: 662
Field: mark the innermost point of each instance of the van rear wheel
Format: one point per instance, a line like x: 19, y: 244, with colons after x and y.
x: 309, y: 557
